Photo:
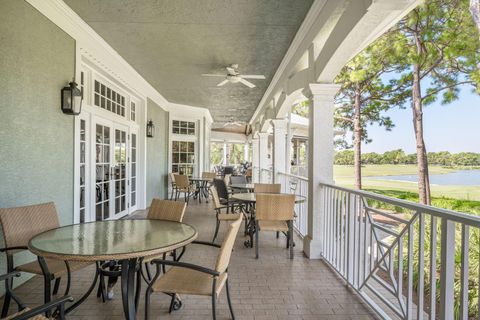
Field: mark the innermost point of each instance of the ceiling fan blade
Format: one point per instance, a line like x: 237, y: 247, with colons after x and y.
x: 247, y: 83
x: 212, y: 75
x: 222, y: 83
x: 231, y: 70
x: 252, y: 76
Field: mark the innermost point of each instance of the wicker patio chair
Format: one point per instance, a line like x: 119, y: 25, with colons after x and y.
x: 173, y: 185
x: 222, y: 216
x: 191, y: 279
x: 184, y: 186
x: 267, y: 188
x: 36, y: 313
x: 19, y: 225
x: 274, y: 212
x: 209, y: 175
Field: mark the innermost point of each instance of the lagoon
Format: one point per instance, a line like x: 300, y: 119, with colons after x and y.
x: 457, y: 178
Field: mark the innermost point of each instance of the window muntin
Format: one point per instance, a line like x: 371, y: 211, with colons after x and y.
x: 183, y: 127
x: 132, y: 111
x: 183, y: 157
x: 108, y: 99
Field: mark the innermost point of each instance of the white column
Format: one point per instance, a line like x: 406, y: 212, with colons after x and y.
x: 279, y: 147
x: 320, y: 160
x: 288, y: 146
x: 255, y: 160
x: 225, y: 154
x: 245, y: 151
x: 263, y: 153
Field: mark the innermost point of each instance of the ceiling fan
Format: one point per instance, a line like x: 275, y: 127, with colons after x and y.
x: 233, y: 76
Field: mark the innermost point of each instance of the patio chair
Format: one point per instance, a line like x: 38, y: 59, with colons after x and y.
x: 209, y: 175
x: 25, y: 313
x: 223, y: 193
x: 19, y: 225
x: 267, y: 188
x: 248, y: 175
x: 191, y: 279
x: 238, y: 179
x: 184, y: 186
x: 221, y: 216
x: 173, y: 185
x: 274, y: 212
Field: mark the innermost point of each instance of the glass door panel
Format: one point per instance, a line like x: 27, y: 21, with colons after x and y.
x: 120, y: 171
x: 102, y: 171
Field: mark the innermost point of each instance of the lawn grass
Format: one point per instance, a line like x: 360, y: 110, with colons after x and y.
x: 459, y: 198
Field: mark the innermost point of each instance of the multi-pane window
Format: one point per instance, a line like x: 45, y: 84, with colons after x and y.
x: 133, y: 173
x: 132, y: 111
x: 183, y: 157
x: 83, y: 142
x: 183, y: 127
x: 102, y: 172
x: 108, y: 99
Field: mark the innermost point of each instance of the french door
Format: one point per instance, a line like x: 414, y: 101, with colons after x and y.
x: 110, y: 192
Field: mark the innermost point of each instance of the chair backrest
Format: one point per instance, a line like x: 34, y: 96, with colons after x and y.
x: 167, y: 210
x: 20, y: 224
x: 248, y: 173
x: 172, y: 178
x: 223, y: 258
x: 267, y: 188
x: 226, y: 178
x: 209, y: 175
x: 215, y: 197
x: 221, y: 188
x: 182, y: 181
x: 228, y: 170
x: 238, y: 179
x: 274, y: 206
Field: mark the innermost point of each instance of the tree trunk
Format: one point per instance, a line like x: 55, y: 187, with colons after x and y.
x: 422, y: 162
x: 357, y: 139
x: 475, y: 10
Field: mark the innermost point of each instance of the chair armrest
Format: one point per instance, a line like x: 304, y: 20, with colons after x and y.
x: 207, y: 244
x: 41, y: 309
x: 9, y: 276
x: 186, y: 265
x: 13, y: 248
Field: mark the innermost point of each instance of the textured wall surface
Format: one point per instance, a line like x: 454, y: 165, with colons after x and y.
x: 157, y: 153
x: 36, y: 138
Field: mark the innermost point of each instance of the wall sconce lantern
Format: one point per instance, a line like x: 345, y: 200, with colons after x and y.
x: 71, y: 99
x: 150, y: 129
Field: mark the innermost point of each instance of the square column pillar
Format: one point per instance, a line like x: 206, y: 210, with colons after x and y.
x: 279, y: 147
x: 263, y: 154
x: 255, y: 160
x: 320, y: 160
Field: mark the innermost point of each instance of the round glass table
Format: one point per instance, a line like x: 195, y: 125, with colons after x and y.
x: 244, y: 186
x: 125, y: 240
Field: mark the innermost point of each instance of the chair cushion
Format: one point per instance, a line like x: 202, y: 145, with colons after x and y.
x: 188, y: 281
x: 228, y: 216
x: 273, y: 225
x: 56, y: 267
x: 37, y: 317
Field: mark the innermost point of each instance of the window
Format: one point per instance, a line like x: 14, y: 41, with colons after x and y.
x: 132, y: 111
x: 183, y: 157
x: 83, y: 142
x: 108, y: 99
x: 183, y: 127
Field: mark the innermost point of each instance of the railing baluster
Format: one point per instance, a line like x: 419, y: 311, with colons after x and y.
x: 433, y: 267
x: 411, y: 236
x: 447, y: 269
x: 421, y: 265
x: 464, y: 273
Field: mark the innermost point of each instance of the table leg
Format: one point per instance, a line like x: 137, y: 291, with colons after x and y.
x: 129, y: 269
x: 89, y: 291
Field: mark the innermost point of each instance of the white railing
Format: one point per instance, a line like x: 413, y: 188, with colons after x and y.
x: 408, y: 261
x: 296, y: 185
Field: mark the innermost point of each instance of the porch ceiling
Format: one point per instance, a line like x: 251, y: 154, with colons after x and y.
x: 172, y: 42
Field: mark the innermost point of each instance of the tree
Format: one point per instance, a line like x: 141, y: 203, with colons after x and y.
x: 364, y: 97
x: 437, y: 48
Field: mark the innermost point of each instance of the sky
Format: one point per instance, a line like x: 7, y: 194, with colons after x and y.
x: 454, y: 127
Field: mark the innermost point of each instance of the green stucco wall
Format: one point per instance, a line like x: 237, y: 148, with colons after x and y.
x: 157, y: 153
x: 36, y: 139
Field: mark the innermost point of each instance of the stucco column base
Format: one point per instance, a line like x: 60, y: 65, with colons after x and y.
x: 312, y: 248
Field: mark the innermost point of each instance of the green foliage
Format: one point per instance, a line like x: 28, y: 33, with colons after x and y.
x: 443, y: 158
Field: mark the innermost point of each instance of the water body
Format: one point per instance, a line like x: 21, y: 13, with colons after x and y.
x: 456, y: 178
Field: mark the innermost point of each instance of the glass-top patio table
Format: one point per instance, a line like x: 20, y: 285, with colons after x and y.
x: 202, y: 187
x: 243, y: 186
x: 126, y: 240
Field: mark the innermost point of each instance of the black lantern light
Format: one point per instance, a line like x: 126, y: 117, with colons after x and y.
x: 71, y: 99
x: 150, y: 129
